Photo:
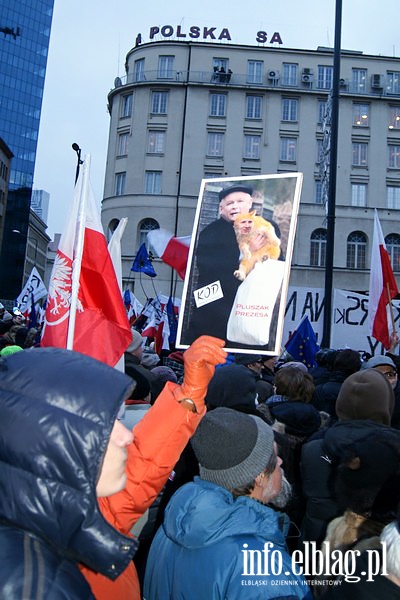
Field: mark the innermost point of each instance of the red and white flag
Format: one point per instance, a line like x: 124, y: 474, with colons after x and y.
x: 172, y: 250
x: 382, y: 288
x: 85, y: 311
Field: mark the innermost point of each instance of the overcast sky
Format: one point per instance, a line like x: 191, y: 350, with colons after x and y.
x: 90, y: 39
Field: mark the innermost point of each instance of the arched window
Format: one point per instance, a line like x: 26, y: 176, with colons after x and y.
x: 143, y: 229
x: 112, y: 226
x: 356, y: 250
x: 318, y: 248
x: 393, y: 247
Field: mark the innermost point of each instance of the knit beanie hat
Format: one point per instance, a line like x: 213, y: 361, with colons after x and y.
x: 8, y: 350
x: 247, y: 359
x: 366, y: 394
x: 164, y: 374
x: 136, y: 342
x: 232, y: 386
x: 232, y: 448
x: 377, y: 361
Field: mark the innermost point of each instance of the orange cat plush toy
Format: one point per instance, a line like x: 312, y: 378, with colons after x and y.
x: 247, y: 226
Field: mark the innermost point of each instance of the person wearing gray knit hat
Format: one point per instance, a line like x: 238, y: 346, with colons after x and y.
x: 232, y: 448
x: 224, y: 521
x: 136, y: 344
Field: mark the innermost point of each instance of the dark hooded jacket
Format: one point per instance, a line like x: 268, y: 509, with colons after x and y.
x: 364, y: 407
x: 57, y: 411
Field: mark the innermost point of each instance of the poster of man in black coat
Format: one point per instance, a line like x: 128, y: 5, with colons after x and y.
x: 239, y: 262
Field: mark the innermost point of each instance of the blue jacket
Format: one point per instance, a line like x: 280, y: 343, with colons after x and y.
x: 57, y: 409
x: 202, y: 550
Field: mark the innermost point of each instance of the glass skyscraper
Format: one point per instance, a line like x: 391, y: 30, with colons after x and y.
x: 24, y: 41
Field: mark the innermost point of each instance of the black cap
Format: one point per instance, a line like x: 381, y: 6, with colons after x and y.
x: 235, y: 188
x: 247, y: 359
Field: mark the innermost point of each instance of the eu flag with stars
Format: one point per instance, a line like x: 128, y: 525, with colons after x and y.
x: 302, y: 344
x: 142, y: 262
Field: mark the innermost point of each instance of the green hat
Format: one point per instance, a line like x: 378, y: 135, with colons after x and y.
x: 7, y: 350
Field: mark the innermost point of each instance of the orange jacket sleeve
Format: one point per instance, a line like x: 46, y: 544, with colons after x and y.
x: 159, y: 439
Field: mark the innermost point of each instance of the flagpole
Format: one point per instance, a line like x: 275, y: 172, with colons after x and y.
x: 331, y: 204
x: 83, y: 184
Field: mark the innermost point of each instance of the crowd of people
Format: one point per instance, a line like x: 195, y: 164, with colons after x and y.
x: 197, y: 474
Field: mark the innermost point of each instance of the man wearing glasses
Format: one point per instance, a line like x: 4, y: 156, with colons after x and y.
x: 387, y: 367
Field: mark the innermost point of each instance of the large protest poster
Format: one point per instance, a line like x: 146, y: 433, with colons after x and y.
x: 239, y: 262
x: 349, y: 327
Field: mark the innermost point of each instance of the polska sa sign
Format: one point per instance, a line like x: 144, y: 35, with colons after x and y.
x: 206, y: 33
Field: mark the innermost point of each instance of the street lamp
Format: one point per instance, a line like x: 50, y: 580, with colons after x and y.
x: 80, y: 162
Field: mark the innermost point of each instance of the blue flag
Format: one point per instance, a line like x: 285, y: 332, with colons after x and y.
x: 302, y: 344
x: 127, y: 297
x: 172, y: 321
x: 33, y: 316
x: 142, y: 262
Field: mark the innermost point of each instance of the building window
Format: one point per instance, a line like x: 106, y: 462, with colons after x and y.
x: 358, y: 194
x: 138, y: 70
x: 360, y: 115
x: 165, y: 67
x: 325, y: 75
x: 253, y: 107
x: 393, y: 157
x: 289, y: 109
x: 360, y: 154
x: 320, y: 151
x: 122, y: 144
x: 120, y: 179
x: 289, y: 74
x: 359, y: 81
x: 251, y: 148
x: 215, y: 144
x: 393, y: 197
x: 217, y: 105
x: 126, y: 105
x: 152, y: 182
x: 112, y: 226
x: 288, y: 149
x: 318, y: 248
x: 159, y: 103
x: 392, y: 242
x: 155, y: 142
x: 143, y: 229
x: 322, y: 106
x: 393, y: 82
x: 220, y: 64
x: 394, y: 118
x: 254, y: 71
x: 356, y: 250
x: 318, y: 199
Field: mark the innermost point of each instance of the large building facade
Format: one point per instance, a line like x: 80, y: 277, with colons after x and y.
x: 24, y: 43
x: 186, y: 111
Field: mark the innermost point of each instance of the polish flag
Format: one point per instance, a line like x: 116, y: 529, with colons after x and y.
x: 172, y: 250
x: 85, y: 311
x: 382, y: 288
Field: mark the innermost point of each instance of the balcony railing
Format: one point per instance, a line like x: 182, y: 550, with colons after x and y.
x: 231, y: 79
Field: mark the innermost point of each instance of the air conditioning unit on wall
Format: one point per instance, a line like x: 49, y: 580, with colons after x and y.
x: 274, y: 75
x: 307, y: 77
x: 377, y: 81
